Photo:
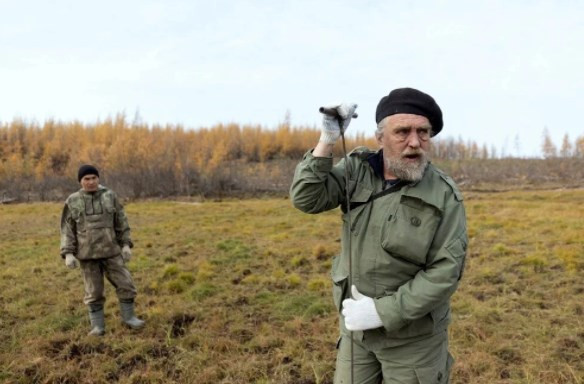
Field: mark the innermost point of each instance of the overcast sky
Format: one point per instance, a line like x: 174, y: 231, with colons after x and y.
x: 501, y: 71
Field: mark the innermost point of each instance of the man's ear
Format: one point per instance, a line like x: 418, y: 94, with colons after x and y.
x: 379, y: 139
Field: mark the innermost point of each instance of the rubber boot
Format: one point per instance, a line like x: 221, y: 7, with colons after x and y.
x: 128, y: 316
x: 97, y: 320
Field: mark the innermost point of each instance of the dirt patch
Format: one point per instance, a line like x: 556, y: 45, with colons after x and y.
x: 54, y: 347
x: 127, y: 365
x: 569, y: 350
x: 180, y: 323
x: 159, y: 351
x: 78, y: 350
x: 509, y: 356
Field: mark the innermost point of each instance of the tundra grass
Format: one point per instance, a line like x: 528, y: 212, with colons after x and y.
x: 239, y: 292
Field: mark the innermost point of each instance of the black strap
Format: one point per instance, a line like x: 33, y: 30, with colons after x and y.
x: 394, y: 188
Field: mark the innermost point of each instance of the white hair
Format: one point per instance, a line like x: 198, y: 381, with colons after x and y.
x: 380, y: 128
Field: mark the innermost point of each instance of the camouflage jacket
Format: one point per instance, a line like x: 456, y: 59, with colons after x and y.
x: 408, y: 247
x: 94, y: 225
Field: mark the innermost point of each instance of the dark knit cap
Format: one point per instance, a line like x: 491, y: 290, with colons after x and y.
x: 86, y: 170
x: 410, y: 100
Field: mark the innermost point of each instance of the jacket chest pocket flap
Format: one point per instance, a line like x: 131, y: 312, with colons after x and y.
x: 104, y: 220
x: 408, y: 233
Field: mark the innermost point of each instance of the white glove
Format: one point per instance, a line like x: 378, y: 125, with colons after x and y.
x: 71, y: 261
x: 126, y: 253
x: 331, y: 130
x: 360, y: 313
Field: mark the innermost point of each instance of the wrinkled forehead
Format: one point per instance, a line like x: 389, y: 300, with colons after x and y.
x: 89, y: 177
x: 407, y: 120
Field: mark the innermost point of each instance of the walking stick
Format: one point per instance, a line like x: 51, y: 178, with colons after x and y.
x: 333, y: 112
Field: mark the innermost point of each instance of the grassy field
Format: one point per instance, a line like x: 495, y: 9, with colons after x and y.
x: 239, y: 292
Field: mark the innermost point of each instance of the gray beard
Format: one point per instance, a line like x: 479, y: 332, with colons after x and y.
x: 406, y: 171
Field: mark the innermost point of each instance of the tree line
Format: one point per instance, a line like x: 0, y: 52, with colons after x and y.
x: 40, y: 161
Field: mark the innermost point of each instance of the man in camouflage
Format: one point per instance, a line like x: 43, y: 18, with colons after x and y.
x: 407, y: 236
x: 95, y: 235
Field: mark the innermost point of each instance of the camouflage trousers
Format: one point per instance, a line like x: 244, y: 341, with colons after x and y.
x: 425, y: 361
x: 115, y: 271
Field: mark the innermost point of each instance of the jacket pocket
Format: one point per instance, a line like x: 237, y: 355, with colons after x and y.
x: 437, y: 372
x: 415, y: 328
x: 340, y: 277
x: 98, y: 221
x: 408, y: 233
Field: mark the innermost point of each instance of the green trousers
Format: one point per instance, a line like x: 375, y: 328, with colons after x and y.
x: 425, y: 361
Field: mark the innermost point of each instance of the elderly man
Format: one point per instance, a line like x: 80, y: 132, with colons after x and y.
x: 95, y: 235
x: 407, y: 239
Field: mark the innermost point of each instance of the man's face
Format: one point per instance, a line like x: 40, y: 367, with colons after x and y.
x: 405, y: 143
x: 89, y: 183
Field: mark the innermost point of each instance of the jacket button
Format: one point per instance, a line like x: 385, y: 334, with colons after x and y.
x: 415, y: 221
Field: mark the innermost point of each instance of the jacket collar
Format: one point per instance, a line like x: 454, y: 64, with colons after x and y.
x: 376, y: 161
x: 100, y: 189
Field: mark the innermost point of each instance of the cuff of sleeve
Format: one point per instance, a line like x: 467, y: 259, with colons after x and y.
x: 317, y: 163
x: 321, y: 166
x: 309, y: 156
x: 390, y: 317
x: 63, y: 254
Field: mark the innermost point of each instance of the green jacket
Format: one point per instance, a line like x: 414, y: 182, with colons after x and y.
x: 94, y: 225
x: 408, y: 247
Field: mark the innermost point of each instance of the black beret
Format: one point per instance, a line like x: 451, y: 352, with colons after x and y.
x: 86, y: 170
x: 410, y: 100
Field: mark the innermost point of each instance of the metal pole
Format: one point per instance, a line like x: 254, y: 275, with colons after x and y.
x: 347, y: 198
x: 335, y: 113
